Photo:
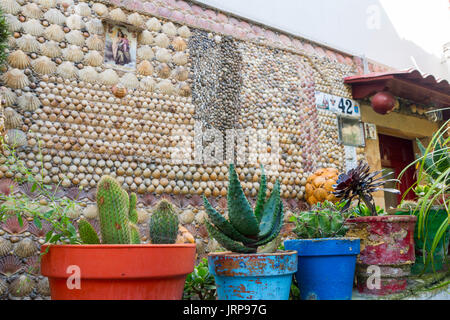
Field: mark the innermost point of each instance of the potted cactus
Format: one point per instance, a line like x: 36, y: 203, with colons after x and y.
x: 326, y: 259
x: 243, y: 273
x: 116, y: 266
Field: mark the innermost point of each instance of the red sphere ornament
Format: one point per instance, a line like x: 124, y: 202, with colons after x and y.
x: 383, y: 102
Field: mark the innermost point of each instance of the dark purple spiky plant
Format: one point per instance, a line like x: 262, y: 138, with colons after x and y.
x: 361, y: 183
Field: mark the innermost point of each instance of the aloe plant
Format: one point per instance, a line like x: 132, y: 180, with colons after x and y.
x: 246, y: 229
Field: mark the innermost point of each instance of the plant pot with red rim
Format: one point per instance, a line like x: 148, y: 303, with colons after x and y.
x: 118, y: 267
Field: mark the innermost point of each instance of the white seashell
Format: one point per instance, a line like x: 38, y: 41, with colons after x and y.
x: 95, y: 42
x: 33, y: 27
x: 15, y: 79
x: 32, y: 11
x: 118, y: 15
x: 180, y: 73
x: 16, y: 138
x: 75, y: 37
x: 163, y: 55
x: 179, y: 44
x: 95, y: 26
x: 14, y: 25
x: 109, y: 77
x: 145, y: 68
x: 28, y: 102
x: 163, y: 70
x: 183, y: 89
x: 10, y: 6
x: 180, y: 58
x: 67, y: 70
x: 145, y: 38
x: 153, y: 24
x: 100, y: 9
x: 162, y: 40
x: 55, y: 16
x: 67, y: 3
x: 135, y: 19
x: 148, y: 84
x: 90, y: 212
x: 12, y: 44
x: 73, y: 53
x: 18, y: 59
x: 169, y: 29
x: 28, y: 43
x: 94, y: 59
x: 165, y: 87
x: 43, y: 65
x: 51, y: 49
x: 129, y: 81
x: 83, y: 9
x: 13, y: 120
x: 47, y: 4
x: 55, y: 33
x: 145, y: 53
x: 184, y: 32
x: 88, y: 74
x: 75, y: 22
x: 9, y: 96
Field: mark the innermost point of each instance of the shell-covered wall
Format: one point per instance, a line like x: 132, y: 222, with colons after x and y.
x: 193, y: 66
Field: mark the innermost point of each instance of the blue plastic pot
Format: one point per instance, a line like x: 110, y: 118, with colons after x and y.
x: 326, y: 267
x: 266, y: 276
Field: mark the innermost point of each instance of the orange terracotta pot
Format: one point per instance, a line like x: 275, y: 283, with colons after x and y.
x: 117, y: 272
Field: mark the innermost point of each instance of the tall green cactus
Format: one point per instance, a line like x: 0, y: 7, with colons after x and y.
x: 246, y: 229
x: 163, y: 224
x: 118, y: 215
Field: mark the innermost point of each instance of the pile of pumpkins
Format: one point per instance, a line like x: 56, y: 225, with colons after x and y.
x: 319, y: 186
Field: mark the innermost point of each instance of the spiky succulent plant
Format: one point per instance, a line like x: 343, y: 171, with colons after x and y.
x: 246, y: 229
x: 4, y: 34
x: 360, y: 183
x: 163, y: 224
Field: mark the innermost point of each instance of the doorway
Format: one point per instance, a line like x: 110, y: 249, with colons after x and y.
x: 396, y: 154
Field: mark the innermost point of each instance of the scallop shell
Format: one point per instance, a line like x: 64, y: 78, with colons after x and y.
x: 163, y: 55
x: 148, y: 84
x: 55, y: 16
x: 13, y: 120
x: 163, y: 70
x: 75, y: 37
x: 15, y: 79
x: 5, y: 247
x: 145, y: 37
x: 40, y: 232
x: 153, y: 24
x: 14, y: 25
x: 66, y: 3
x: 129, y: 81
x: 100, y: 9
x: 75, y: 22
x: 118, y: 15
x: 16, y: 138
x: 162, y: 40
x: 109, y: 77
x: 9, y: 96
x: 67, y: 70
x: 180, y: 73
x: 90, y: 212
x: 55, y: 33
x: 179, y: 44
x: 10, y: 6
x: 145, y: 53
x: 73, y: 53
x: 93, y: 58
x: 47, y: 4
x: 135, y: 19
x: 25, y: 248
x: 43, y: 65
x: 83, y: 9
x: 95, y: 26
x: 169, y: 29
x: 95, y: 42
x: 165, y: 87
x: 21, y: 286
x: 51, y: 49
x: 184, y: 32
x: 88, y: 74
x: 12, y: 43
x: 18, y: 59
x: 32, y: 11
x: 183, y: 89
x: 145, y: 68
x: 180, y: 58
x: 28, y: 43
x: 33, y: 27
x: 43, y: 287
x: 28, y: 102
x: 10, y: 265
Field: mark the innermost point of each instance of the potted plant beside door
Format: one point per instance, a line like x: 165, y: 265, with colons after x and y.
x: 243, y: 273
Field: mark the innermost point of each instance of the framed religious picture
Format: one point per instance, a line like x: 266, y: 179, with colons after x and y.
x: 120, y: 47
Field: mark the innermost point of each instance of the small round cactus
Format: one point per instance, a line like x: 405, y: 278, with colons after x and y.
x: 163, y: 224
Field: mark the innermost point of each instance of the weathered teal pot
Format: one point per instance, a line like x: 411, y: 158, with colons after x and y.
x: 265, y: 276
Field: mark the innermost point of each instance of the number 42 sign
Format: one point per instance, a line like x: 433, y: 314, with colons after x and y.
x: 337, y: 104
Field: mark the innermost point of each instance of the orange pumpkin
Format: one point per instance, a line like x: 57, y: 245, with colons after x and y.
x: 319, y: 185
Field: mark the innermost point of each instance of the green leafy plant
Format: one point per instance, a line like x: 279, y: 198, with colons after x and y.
x: 324, y: 220
x: 361, y: 210
x: 200, y: 284
x: 4, y: 34
x: 163, y: 224
x: 246, y: 229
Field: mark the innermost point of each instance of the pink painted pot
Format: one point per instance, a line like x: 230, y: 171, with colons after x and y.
x: 387, y: 247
